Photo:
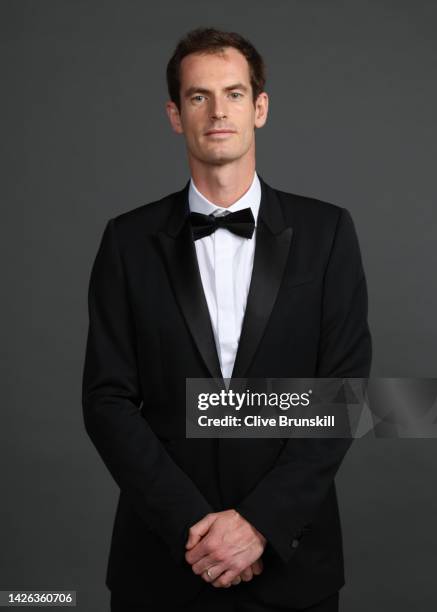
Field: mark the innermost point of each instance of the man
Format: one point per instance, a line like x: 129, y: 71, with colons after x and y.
x: 226, y: 524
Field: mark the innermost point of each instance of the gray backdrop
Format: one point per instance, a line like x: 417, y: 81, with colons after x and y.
x: 85, y: 137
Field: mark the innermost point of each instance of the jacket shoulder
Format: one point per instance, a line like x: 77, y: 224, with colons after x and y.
x: 147, y: 218
x: 306, y: 209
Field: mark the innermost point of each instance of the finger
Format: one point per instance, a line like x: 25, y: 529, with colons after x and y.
x: 225, y: 579
x: 237, y: 580
x: 205, y: 548
x: 199, y: 529
x: 213, y: 572
x: 247, y: 574
x: 206, y: 562
x: 257, y: 567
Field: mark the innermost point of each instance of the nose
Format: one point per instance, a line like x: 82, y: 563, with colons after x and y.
x: 217, y: 111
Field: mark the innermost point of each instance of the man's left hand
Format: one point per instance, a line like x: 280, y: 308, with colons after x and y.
x: 226, y: 544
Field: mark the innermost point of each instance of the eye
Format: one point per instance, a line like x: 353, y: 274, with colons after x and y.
x: 236, y: 94
x: 197, y: 98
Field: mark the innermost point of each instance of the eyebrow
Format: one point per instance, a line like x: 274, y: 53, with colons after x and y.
x: 192, y: 90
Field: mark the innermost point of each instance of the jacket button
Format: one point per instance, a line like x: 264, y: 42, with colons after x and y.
x: 294, y: 543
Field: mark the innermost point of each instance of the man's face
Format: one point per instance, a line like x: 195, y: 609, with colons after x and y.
x: 217, y: 115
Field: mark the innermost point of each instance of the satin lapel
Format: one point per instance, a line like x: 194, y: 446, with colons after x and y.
x: 273, y: 239
x: 178, y: 250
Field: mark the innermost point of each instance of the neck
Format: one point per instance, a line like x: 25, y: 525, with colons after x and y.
x: 223, y: 184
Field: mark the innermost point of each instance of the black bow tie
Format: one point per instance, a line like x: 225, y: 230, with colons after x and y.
x: 241, y: 222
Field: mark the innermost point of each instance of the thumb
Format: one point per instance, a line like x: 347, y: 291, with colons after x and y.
x: 199, y: 529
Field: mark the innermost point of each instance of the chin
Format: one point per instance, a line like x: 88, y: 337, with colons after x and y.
x: 220, y: 161
x: 220, y: 157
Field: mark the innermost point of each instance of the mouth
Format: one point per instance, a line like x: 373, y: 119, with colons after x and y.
x: 219, y: 132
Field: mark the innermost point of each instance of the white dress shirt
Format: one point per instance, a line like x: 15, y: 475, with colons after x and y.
x: 225, y: 262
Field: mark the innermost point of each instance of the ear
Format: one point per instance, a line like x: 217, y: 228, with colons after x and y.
x: 174, y: 117
x: 261, y: 109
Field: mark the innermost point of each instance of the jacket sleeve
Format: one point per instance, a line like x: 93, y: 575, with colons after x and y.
x: 160, y: 492
x: 285, y: 501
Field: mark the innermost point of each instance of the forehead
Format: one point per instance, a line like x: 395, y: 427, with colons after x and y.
x: 209, y: 69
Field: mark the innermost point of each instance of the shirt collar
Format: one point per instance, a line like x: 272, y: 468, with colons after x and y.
x: 251, y: 199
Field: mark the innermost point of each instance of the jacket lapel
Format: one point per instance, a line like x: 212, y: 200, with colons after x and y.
x: 273, y: 239
x: 179, y: 253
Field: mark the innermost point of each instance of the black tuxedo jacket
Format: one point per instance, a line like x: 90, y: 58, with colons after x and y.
x: 149, y: 329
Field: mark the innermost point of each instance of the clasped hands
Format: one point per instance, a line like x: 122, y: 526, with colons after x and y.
x: 228, y: 546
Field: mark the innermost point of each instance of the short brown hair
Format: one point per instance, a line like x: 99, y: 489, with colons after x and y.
x: 210, y: 40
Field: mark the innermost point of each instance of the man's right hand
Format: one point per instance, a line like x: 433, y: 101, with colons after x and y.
x: 222, y: 541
